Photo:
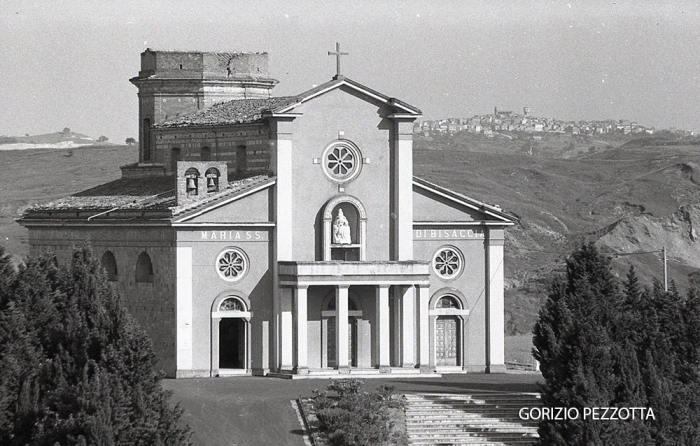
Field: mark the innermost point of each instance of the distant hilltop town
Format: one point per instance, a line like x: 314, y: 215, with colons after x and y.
x: 508, y: 121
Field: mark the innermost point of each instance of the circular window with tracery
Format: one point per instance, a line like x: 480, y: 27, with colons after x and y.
x: 232, y: 264
x: 448, y: 262
x: 342, y: 161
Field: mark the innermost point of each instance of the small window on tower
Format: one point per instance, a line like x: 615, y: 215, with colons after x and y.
x: 212, y: 174
x: 192, y: 181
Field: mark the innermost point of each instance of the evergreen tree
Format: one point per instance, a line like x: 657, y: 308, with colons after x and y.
x: 602, y: 346
x: 76, y: 368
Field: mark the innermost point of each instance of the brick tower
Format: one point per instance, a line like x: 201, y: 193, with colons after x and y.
x: 175, y: 83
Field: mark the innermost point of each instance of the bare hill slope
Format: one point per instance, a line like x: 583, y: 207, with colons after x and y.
x: 627, y: 199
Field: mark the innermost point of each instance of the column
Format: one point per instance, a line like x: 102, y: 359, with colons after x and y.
x: 286, y: 329
x: 424, y: 328
x: 300, y: 315
x: 407, y: 321
x: 341, y: 327
x: 381, y: 343
x: 495, y: 324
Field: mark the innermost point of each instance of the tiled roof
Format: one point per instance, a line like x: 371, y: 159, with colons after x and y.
x: 156, y: 193
x: 125, y: 193
x: 241, y: 111
x: 237, y: 111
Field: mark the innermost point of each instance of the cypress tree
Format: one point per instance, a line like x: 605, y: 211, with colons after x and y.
x: 76, y: 368
x: 602, y: 347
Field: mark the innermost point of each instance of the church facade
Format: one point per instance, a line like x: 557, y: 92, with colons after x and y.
x: 286, y: 235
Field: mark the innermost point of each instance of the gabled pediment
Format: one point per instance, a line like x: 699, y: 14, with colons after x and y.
x: 248, y: 204
x: 400, y: 108
x: 433, y: 203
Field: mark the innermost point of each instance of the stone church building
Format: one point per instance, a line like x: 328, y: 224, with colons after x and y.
x: 286, y: 235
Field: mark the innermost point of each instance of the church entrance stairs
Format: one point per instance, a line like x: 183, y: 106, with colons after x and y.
x: 470, y: 419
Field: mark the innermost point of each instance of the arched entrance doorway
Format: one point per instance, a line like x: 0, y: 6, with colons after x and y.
x: 232, y: 342
x: 449, y: 331
x: 447, y: 345
x: 230, y: 337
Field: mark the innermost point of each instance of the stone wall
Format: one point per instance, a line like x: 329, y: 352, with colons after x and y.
x: 151, y: 304
x: 223, y: 143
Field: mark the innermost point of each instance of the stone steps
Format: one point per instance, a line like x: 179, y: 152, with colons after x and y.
x: 474, y: 419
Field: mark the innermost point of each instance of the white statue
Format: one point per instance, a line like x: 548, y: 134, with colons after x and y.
x: 341, y: 230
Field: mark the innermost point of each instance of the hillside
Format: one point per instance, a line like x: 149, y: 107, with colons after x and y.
x: 623, y: 195
x: 31, y: 176
x: 626, y: 198
x: 65, y: 139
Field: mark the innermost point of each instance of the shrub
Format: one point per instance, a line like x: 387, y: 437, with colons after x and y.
x: 351, y: 416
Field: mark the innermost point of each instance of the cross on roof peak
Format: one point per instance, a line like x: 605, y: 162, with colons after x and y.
x: 337, y: 55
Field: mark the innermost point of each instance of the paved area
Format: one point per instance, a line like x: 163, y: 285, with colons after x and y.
x: 254, y: 411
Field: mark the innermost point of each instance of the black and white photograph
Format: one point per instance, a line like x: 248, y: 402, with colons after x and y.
x: 349, y: 223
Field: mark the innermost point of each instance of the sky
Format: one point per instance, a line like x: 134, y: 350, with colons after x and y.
x: 67, y: 63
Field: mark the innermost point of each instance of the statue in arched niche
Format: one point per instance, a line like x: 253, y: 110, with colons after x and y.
x: 341, y: 229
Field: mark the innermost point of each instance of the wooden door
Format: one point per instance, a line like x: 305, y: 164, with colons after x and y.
x: 447, y: 341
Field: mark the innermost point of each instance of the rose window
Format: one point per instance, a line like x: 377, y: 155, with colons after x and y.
x: 342, y: 161
x: 232, y: 264
x: 448, y: 263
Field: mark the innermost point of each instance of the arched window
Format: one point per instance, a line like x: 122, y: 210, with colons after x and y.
x: 212, y: 174
x: 144, y: 269
x: 109, y: 263
x: 174, y: 158
x: 205, y: 154
x: 192, y: 181
x: 146, y: 139
x: 448, y: 302
x: 232, y: 304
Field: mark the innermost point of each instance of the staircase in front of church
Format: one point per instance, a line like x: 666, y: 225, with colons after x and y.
x: 470, y: 419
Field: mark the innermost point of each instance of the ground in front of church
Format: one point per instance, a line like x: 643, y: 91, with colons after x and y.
x: 255, y: 411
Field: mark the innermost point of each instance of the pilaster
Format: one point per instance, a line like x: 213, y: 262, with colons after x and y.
x: 184, y: 309
x: 495, y: 324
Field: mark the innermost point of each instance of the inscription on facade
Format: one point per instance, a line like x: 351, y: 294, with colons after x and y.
x: 258, y: 236
x: 447, y: 234
x: 227, y: 235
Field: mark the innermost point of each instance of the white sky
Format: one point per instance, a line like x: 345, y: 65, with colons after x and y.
x: 68, y: 63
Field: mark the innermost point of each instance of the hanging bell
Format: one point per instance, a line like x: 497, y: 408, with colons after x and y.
x: 191, y: 185
x: 211, y: 184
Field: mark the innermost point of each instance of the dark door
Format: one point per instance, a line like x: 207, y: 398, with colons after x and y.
x: 232, y: 343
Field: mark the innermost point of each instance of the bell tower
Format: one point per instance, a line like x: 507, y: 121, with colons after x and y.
x: 174, y: 83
